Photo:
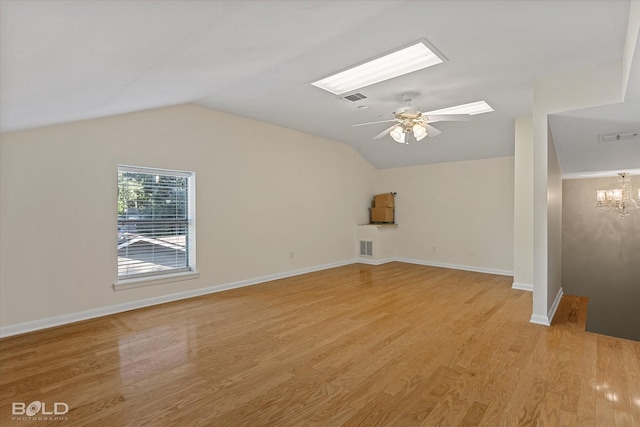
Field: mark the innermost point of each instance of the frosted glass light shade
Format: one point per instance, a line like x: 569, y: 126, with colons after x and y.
x: 617, y: 194
x: 419, y: 132
x: 397, y: 134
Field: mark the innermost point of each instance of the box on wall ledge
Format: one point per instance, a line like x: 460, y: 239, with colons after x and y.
x: 381, y: 215
x: 383, y: 200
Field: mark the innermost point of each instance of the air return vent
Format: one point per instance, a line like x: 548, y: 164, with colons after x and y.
x: 629, y: 135
x: 355, y: 97
x: 366, y: 248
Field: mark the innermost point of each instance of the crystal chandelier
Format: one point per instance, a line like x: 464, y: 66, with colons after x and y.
x: 621, y: 199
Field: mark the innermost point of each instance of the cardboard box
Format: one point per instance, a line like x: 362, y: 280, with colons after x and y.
x: 384, y: 215
x: 383, y: 200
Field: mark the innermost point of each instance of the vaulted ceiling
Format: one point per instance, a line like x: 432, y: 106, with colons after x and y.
x: 63, y: 61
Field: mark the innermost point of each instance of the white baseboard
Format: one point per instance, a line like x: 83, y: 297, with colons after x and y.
x: 540, y: 319
x: 50, y: 322
x: 554, y: 306
x: 372, y: 261
x: 522, y: 286
x: 456, y: 266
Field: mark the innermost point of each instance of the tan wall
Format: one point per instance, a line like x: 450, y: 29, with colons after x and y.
x: 601, y: 258
x: 463, y: 209
x: 262, y: 193
x: 523, y: 205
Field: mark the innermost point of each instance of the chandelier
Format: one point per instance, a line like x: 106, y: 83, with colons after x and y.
x: 621, y: 199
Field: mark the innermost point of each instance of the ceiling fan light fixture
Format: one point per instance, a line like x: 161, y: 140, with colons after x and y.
x: 419, y: 132
x: 398, y: 134
x: 471, y: 109
x: 400, y: 62
x: 410, y: 119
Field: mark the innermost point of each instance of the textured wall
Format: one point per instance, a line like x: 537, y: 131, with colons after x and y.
x: 601, y: 259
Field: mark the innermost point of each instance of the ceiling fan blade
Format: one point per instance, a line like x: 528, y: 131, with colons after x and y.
x: 447, y: 118
x: 384, y: 133
x: 373, y: 123
x: 431, y: 131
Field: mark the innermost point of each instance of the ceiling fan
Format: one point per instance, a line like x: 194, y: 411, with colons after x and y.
x: 411, y: 120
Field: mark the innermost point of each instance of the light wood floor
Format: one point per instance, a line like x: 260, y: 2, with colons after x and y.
x: 396, y: 345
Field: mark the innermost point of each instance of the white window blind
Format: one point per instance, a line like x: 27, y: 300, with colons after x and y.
x: 156, y: 226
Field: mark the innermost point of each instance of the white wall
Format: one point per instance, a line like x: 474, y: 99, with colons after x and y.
x: 523, y: 205
x: 631, y: 51
x: 262, y: 193
x: 600, y: 85
x: 554, y: 223
x: 463, y: 209
x: 383, y: 238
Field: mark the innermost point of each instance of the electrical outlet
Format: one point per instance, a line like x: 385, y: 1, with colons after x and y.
x: 290, y: 255
x: 434, y: 249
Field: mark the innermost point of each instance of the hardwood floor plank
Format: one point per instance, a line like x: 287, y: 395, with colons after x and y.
x: 474, y: 415
x: 632, y: 369
x: 396, y: 345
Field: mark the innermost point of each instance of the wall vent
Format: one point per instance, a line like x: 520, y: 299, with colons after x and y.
x: 619, y: 136
x: 355, y: 97
x: 366, y: 248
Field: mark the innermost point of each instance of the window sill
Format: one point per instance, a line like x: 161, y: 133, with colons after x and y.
x: 139, y: 282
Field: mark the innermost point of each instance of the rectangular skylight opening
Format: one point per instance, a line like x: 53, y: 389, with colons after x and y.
x: 471, y: 109
x: 404, y: 61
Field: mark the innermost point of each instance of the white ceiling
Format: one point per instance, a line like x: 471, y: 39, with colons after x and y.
x: 64, y: 61
x: 581, y: 151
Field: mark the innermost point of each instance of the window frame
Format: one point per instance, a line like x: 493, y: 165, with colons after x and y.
x: 174, y: 274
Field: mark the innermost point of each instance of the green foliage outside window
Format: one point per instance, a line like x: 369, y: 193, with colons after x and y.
x: 150, y: 196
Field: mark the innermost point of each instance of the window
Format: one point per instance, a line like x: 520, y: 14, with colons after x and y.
x: 156, y: 226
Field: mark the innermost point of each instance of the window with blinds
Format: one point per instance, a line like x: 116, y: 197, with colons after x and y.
x: 156, y: 227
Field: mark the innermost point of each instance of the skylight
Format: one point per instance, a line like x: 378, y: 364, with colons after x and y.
x: 403, y: 61
x: 472, y: 109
